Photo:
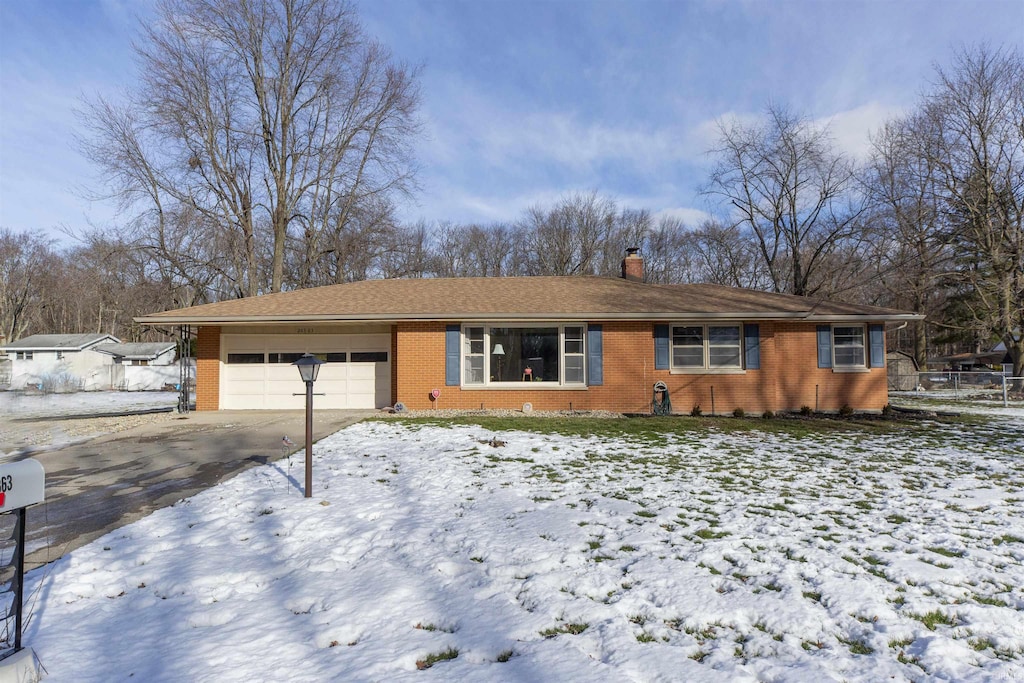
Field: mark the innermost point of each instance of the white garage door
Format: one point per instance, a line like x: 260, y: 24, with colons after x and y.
x: 257, y: 371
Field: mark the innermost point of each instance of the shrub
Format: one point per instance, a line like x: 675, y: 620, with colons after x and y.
x: 806, y: 410
x: 887, y: 410
x: 846, y: 410
x: 60, y: 383
x: 738, y: 412
x: 768, y: 415
x: 696, y: 411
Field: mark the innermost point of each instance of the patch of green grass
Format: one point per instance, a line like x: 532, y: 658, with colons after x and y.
x: 572, y: 629
x: 946, y: 552
x: 900, y: 642
x: 708, y: 534
x: 504, y: 656
x: 934, y: 619
x: 857, y: 647
x: 435, y: 657
x: 897, y: 519
x: 980, y: 644
x: 1007, y: 538
x: 987, y: 600
x: 645, y: 637
x: 662, y: 430
x: 646, y: 513
x: 711, y: 569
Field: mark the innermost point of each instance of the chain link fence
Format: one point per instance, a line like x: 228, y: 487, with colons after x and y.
x: 989, y: 385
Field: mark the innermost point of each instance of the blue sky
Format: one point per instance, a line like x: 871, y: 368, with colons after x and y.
x: 525, y: 101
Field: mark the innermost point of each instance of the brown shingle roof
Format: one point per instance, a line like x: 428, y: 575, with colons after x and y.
x: 562, y: 298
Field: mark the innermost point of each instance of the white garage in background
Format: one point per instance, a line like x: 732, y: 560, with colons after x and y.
x: 257, y: 371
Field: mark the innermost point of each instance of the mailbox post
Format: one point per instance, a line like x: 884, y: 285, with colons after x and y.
x: 21, y: 485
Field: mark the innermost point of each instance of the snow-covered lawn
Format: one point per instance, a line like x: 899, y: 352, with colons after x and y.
x: 706, y: 553
x: 23, y: 404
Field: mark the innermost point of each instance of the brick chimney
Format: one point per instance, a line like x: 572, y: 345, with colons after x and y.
x: 633, y: 266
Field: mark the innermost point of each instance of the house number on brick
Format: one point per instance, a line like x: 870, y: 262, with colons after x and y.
x: 305, y: 330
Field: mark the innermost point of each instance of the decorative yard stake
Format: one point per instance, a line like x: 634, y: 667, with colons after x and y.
x: 21, y: 485
x: 309, y: 368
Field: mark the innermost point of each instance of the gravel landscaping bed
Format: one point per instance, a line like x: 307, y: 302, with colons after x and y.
x: 25, y: 436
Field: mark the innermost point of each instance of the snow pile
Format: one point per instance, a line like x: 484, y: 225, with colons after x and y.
x: 433, y: 553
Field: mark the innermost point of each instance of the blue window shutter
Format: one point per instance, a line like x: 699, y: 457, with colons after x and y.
x: 752, y: 346
x: 595, y: 356
x: 661, y: 347
x: 452, y: 339
x: 876, y: 333
x: 824, y: 346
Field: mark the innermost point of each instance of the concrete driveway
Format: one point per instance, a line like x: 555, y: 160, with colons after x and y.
x: 109, y: 481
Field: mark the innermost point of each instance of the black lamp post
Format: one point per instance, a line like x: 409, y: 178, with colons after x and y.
x: 309, y: 368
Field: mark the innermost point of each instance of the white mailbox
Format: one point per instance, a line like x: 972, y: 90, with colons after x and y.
x: 21, y: 484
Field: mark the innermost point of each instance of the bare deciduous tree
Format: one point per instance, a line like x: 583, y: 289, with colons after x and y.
x: 25, y: 260
x: 970, y: 132
x: 568, y: 238
x: 785, y: 185
x: 267, y: 120
x: 912, y: 247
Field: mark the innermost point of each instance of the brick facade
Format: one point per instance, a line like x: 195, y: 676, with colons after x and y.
x: 788, y: 379
x: 208, y: 368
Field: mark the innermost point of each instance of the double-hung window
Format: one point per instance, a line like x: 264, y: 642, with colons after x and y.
x: 512, y: 355
x: 707, y: 347
x: 573, y: 353
x: 473, y: 357
x: 848, y: 346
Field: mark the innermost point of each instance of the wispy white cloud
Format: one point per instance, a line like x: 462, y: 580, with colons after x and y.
x: 508, y: 137
x: 690, y: 216
x: 852, y: 129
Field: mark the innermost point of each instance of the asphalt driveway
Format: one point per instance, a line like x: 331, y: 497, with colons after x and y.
x: 109, y: 481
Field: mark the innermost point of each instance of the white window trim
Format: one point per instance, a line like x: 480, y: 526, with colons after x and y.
x: 527, y: 386
x: 865, y: 343
x: 706, y: 369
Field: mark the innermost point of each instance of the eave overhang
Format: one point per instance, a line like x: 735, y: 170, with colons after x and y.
x: 323, y: 319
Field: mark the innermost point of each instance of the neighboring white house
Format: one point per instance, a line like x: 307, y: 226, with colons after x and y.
x: 141, y: 353
x: 146, y: 366
x: 60, y: 361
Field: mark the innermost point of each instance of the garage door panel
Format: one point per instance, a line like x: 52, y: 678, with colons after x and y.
x: 242, y: 373
x: 246, y: 387
x: 362, y: 371
x: 272, y: 385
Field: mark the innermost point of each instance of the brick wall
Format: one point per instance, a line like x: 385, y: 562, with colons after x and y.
x: 788, y: 379
x: 208, y: 368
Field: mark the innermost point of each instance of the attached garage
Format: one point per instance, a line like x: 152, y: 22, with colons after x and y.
x: 257, y: 371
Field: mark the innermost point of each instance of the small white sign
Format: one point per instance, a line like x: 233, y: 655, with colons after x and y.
x: 21, y: 484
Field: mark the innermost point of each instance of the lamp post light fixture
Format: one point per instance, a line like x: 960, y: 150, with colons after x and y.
x: 309, y: 368
x: 499, y: 351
